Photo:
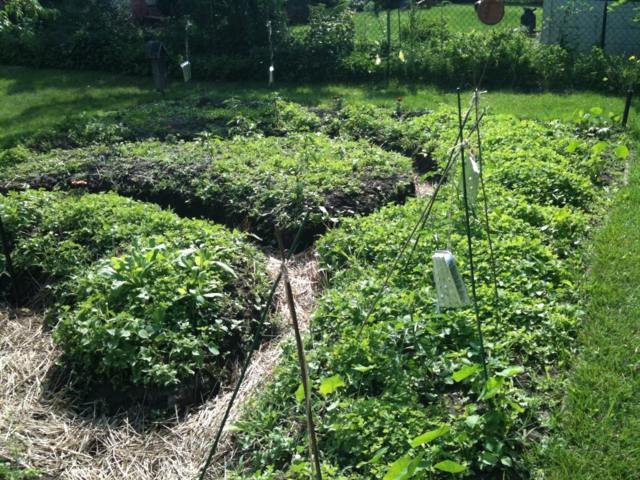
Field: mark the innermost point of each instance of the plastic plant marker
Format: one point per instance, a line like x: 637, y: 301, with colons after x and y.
x: 450, y: 287
x: 473, y: 179
x: 186, y: 70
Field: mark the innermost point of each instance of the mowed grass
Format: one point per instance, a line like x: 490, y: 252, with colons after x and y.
x: 599, y: 426
x: 33, y: 100
x: 371, y: 27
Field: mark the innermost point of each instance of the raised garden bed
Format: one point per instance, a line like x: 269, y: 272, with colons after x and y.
x: 144, y: 305
x: 257, y: 184
x: 405, y: 392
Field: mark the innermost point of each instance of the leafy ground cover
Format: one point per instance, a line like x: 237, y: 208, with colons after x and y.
x: 598, y: 422
x: 141, y: 297
x: 401, y: 394
x: 254, y: 183
x: 11, y: 472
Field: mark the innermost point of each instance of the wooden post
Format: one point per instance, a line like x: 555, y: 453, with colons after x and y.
x: 313, y: 442
x: 603, y: 32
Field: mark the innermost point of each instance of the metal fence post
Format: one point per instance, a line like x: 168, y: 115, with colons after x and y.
x: 603, y: 33
x: 627, y: 107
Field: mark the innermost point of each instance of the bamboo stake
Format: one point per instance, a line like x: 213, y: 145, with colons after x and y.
x: 304, y: 371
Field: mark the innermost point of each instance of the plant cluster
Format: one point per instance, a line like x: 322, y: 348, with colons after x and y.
x: 257, y: 183
x: 11, y: 472
x: 142, y: 297
x: 401, y: 393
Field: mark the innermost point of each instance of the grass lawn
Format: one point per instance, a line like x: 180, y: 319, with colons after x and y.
x: 599, y: 424
x: 36, y: 99
x: 32, y: 100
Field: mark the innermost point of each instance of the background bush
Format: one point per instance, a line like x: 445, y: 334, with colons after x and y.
x: 230, y: 42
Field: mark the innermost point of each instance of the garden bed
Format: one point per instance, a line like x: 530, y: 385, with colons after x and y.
x: 145, y: 306
x: 257, y: 184
x: 403, y: 389
x: 186, y: 118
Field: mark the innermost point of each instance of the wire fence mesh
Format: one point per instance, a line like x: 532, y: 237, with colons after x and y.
x: 577, y: 25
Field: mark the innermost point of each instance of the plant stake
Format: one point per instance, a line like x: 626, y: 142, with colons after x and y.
x: 627, y: 107
x: 6, y: 248
x: 467, y: 217
x: 304, y: 371
x: 271, y: 54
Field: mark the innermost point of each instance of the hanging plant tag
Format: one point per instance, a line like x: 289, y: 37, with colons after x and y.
x: 472, y: 173
x: 449, y: 284
x: 186, y: 70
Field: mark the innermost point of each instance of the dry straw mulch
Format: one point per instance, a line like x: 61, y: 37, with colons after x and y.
x: 39, y: 429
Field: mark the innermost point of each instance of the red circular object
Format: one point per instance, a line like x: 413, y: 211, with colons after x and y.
x: 490, y: 12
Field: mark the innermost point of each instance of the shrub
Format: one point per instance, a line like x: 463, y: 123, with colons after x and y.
x: 254, y: 183
x: 330, y: 38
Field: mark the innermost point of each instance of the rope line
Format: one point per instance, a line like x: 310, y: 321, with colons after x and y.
x: 492, y: 258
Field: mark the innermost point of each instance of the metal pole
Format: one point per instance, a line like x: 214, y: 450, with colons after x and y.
x: 186, y: 40
x: 271, y: 54
x: 304, y: 371
x: 484, y: 196
x: 603, y: 33
x: 627, y: 107
x: 388, y: 42
x: 467, y: 216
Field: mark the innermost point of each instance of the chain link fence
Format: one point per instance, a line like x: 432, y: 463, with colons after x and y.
x: 577, y: 25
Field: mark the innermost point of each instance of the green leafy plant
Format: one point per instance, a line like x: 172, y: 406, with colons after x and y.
x: 159, y: 315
